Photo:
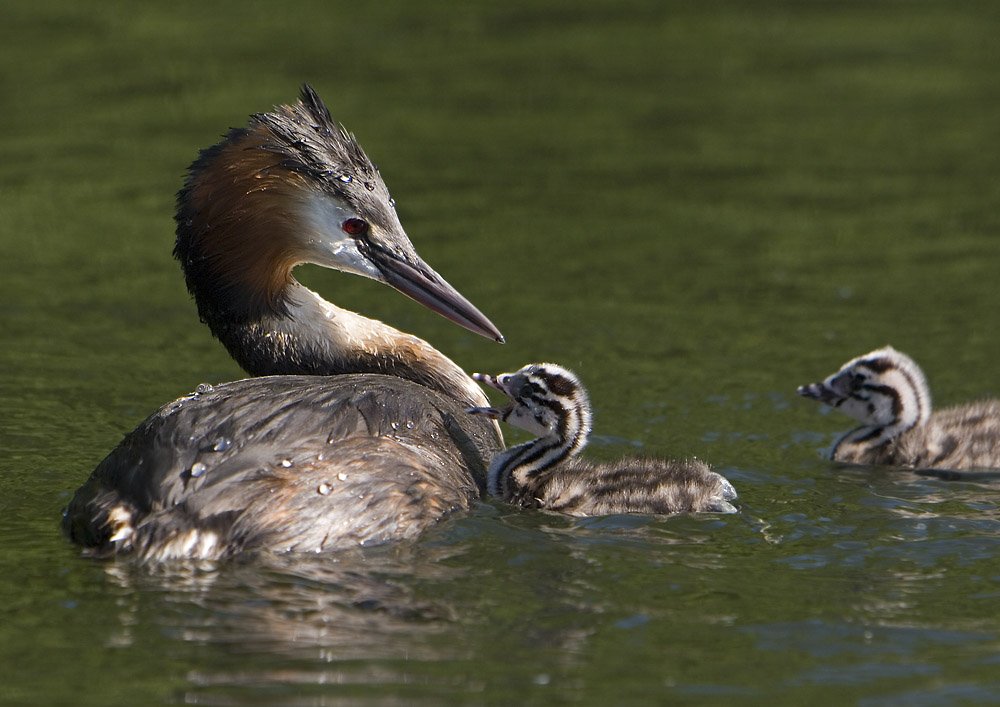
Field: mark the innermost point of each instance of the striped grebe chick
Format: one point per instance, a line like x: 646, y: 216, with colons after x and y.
x: 549, y: 401
x: 356, y: 432
x: 886, y: 392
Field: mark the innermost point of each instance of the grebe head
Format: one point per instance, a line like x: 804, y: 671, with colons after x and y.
x: 544, y: 399
x: 547, y: 400
x: 882, y: 389
x: 295, y: 187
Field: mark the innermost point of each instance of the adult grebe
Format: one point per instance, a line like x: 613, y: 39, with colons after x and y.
x: 357, y: 434
x: 886, y: 391
x: 549, y: 401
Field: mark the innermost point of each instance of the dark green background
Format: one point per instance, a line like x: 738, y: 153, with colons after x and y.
x: 696, y: 205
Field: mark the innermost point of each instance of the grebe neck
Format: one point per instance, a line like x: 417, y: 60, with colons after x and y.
x: 315, y: 337
x: 518, y: 467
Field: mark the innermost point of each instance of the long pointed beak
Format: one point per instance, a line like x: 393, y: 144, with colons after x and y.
x: 419, y: 282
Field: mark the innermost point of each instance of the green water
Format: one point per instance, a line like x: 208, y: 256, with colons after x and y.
x: 696, y: 205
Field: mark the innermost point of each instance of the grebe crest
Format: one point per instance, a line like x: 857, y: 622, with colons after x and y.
x: 887, y: 392
x: 550, y: 401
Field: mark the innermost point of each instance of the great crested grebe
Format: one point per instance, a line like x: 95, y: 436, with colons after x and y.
x: 357, y: 433
x: 549, y: 401
x: 886, y: 392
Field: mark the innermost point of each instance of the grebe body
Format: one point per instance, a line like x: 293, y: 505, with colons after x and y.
x: 886, y: 392
x: 356, y: 433
x: 284, y: 463
x: 549, y: 401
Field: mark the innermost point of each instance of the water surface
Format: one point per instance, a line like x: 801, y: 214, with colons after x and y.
x: 697, y: 206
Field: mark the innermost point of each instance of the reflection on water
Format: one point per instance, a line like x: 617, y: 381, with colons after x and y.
x: 347, y: 606
x: 572, y: 593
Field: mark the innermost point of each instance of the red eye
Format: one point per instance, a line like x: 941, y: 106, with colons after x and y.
x: 354, y: 226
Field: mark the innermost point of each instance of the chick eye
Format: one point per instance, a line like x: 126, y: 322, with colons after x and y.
x: 354, y: 226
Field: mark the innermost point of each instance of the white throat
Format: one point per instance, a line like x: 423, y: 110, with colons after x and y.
x: 321, y: 329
